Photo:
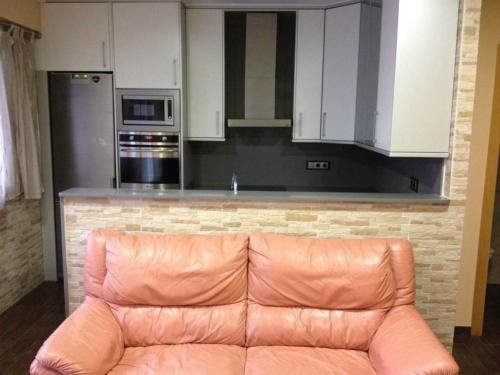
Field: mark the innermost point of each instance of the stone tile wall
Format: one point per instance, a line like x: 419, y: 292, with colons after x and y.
x: 21, y: 255
x: 435, y: 231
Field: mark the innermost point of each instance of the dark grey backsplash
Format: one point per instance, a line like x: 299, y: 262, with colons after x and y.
x: 393, y: 174
x: 235, y: 35
x: 235, y: 45
x: 285, y: 68
x: 266, y: 157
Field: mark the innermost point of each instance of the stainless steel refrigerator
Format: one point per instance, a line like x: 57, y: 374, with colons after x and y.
x: 82, y: 136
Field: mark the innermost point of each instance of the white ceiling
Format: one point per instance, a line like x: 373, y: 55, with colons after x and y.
x: 264, y: 3
x: 233, y: 3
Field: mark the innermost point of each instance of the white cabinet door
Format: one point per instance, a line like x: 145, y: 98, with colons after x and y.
x: 366, y: 98
x: 147, y: 45
x: 308, y: 75
x: 416, y: 74
x: 75, y: 37
x: 340, y: 73
x: 205, y: 73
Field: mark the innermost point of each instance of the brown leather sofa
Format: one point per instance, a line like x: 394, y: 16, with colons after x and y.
x: 245, y: 304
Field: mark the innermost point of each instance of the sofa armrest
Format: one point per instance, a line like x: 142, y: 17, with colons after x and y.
x: 89, y: 341
x: 404, y: 344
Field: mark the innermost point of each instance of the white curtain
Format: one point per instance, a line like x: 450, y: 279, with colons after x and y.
x: 26, y: 125
x: 10, y: 186
x: 20, y: 169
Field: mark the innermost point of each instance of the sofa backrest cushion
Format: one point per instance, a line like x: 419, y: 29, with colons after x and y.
x: 155, y: 325
x: 302, y: 291
x: 94, y: 270
x: 403, y: 269
x: 318, y: 292
x: 172, y: 289
x: 320, y: 273
x: 176, y: 270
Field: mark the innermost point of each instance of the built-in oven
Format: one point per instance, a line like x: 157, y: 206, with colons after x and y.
x: 147, y: 110
x: 149, y: 160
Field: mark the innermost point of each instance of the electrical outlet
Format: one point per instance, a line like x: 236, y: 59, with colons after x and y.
x: 318, y: 165
x: 414, y: 184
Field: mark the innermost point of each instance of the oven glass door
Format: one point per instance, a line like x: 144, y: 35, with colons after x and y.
x: 147, y: 110
x: 149, y: 167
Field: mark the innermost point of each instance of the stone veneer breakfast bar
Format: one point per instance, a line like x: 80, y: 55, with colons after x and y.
x: 432, y: 224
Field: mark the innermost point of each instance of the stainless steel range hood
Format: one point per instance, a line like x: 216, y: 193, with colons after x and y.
x: 260, y: 73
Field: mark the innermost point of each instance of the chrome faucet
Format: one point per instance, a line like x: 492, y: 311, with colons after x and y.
x: 234, y: 184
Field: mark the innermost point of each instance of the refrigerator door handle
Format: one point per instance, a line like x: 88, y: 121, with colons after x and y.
x: 175, y: 72
x: 103, y: 54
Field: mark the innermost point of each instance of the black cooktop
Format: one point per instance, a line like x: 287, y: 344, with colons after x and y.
x: 289, y: 188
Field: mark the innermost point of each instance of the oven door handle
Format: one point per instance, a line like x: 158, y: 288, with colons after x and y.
x: 158, y: 153
x: 143, y: 149
x: 157, y: 144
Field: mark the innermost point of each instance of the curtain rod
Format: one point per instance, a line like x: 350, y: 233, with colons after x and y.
x: 6, y: 24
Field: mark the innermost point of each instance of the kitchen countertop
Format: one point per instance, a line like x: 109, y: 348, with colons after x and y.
x: 284, y: 196
x: 303, y: 189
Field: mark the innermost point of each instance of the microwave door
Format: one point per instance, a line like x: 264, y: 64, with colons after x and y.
x: 148, y: 110
x: 144, y: 110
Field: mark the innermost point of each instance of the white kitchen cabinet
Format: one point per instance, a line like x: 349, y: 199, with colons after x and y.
x: 308, y: 75
x: 205, y: 74
x: 76, y: 37
x: 415, y: 86
x: 340, y: 73
x: 368, y: 66
x: 147, y: 45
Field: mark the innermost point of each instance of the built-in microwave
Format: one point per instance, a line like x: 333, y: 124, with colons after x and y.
x: 147, y: 110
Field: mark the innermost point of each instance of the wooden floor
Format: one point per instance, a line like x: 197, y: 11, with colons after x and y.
x: 481, y: 355
x: 25, y: 326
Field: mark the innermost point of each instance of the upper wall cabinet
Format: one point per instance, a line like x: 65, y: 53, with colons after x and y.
x: 368, y: 66
x: 308, y: 75
x: 415, y: 87
x: 340, y: 73
x: 76, y: 36
x: 147, y: 45
x: 205, y: 73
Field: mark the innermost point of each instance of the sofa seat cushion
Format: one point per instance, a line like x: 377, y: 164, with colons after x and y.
x: 293, y: 360
x: 189, y: 359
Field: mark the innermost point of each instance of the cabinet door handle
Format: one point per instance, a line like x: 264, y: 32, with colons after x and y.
x: 217, y: 120
x: 175, y: 72
x: 323, y: 125
x: 374, y: 127
x: 103, y: 48
x: 300, y: 124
